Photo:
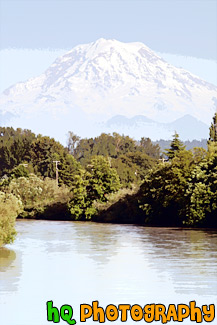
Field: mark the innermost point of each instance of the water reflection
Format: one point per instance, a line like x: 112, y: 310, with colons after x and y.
x: 189, y: 257
x: 98, y: 243
x: 95, y: 241
x: 7, y: 256
x: 10, y: 269
x: 78, y: 262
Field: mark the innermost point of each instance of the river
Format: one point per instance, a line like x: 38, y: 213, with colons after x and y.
x: 79, y: 262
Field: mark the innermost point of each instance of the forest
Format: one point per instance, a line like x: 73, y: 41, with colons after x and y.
x: 109, y: 178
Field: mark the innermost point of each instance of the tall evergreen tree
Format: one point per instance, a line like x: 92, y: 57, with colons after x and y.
x: 68, y: 168
x: 176, y: 145
x: 213, y: 129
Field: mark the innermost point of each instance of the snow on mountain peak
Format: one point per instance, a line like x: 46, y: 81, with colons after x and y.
x: 108, y: 77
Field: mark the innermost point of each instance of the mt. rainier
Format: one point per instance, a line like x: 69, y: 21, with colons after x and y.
x: 93, y: 82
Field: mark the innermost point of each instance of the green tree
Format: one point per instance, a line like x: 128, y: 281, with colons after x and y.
x: 20, y: 149
x: 103, y: 179
x: 79, y: 202
x: 38, y: 195
x: 163, y: 193
x: 126, y: 171
x: 161, y: 196
x: 20, y: 171
x: 93, y: 184
x: 176, y: 145
x: 199, y: 154
x: 202, y: 190
x: 10, y: 207
x: 213, y: 129
x: 15, y: 148
x: 132, y: 167
x: 7, y: 160
x: 212, y: 142
x: 68, y: 169
x: 44, y: 150
x: 152, y: 150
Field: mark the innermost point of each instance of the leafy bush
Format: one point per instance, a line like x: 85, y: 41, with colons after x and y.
x: 10, y: 207
x: 94, y: 184
x: 39, y: 195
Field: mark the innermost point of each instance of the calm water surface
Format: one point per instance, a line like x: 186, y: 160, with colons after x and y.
x: 75, y: 263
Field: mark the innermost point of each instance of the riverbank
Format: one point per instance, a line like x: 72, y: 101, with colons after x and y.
x: 110, y: 178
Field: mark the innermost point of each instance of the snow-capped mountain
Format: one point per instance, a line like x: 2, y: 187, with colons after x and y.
x: 106, y: 78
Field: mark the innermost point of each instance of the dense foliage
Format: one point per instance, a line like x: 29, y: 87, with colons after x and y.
x: 94, y: 184
x: 131, y: 159
x: 10, y: 207
x: 40, y: 196
x: 108, y: 178
x: 181, y: 191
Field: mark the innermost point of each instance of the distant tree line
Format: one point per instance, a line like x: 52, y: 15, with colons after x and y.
x: 189, y: 145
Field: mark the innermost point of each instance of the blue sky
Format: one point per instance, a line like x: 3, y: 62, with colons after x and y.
x: 34, y: 32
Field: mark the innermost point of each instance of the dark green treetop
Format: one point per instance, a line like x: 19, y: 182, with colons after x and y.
x: 152, y: 150
x: 213, y: 129
x: 175, y: 146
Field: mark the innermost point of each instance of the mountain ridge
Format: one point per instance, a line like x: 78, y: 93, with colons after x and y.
x: 188, y: 127
x: 95, y: 81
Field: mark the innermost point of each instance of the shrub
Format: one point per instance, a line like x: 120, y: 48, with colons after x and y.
x: 10, y: 207
x: 39, y: 195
